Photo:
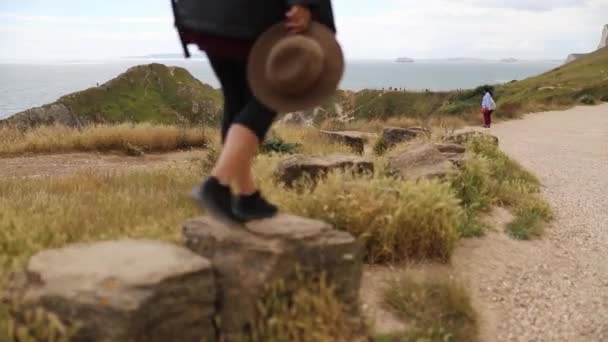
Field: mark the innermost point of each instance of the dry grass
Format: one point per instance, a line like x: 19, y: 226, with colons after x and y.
x: 310, y: 140
x: 41, y: 213
x: 398, y: 220
x: 122, y: 138
x: 436, y: 308
x: 310, y: 312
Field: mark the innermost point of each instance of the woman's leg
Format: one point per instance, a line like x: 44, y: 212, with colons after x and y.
x: 490, y: 118
x: 244, y: 127
x: 229, y: 72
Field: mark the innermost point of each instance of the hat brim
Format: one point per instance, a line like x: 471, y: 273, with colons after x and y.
x: 325, y: 86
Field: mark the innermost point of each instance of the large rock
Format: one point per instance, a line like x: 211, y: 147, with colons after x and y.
x: 453, y: 152
x: 298, y: 166
x: 248, y: 259
x: 392, y: 136
x: 356, y: 140
x: 464, y: 137
x: 419, y: 161
x: 128, y: 290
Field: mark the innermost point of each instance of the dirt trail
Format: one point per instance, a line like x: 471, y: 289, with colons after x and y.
x: 72, y: 163
x: 556, y: 288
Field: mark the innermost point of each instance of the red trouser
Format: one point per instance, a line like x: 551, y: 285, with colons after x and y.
x: 487, y: 116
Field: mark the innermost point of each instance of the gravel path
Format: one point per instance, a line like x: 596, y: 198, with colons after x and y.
x: 554, y: 289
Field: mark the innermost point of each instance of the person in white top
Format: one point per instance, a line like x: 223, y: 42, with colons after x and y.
x: 487, y: 107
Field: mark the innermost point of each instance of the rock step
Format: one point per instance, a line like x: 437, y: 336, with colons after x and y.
x: 248, y: 259
x: 130, y: 290
x: 296, y: 167
x: 141, y: 290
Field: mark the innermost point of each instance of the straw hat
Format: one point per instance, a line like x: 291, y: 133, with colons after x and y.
x: 290, y: 72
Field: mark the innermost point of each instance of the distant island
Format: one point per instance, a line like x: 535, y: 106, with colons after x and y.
x: 509, y: 60
x: 404, y: 60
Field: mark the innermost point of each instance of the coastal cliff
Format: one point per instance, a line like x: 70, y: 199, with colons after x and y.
x: 145, y: 93
x: 603, y: 43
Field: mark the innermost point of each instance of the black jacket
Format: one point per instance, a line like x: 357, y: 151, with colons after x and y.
x: 242, y: 19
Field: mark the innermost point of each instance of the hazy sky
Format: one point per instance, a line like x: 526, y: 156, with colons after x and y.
x: 77, y: 29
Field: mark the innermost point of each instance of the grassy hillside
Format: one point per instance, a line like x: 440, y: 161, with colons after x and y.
x: 148, y: 93
x: 152, y: 93
x: 584, y: 81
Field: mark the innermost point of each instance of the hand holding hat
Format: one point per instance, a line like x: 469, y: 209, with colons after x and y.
x: 290, y: 72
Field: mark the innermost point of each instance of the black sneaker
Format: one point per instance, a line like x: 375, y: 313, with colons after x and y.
x: 216, y: 199
x: 253, y: 207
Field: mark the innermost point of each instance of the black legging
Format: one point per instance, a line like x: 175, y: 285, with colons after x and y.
x: 240, y: 106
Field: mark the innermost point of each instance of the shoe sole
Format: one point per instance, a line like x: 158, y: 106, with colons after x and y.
x: 248, y: 218
x: 213, y: 210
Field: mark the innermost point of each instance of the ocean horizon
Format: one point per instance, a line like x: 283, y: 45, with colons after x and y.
x: 27, y: 84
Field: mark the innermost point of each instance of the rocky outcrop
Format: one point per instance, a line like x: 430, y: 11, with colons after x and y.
x: 356, y: 140
x: 419, y: 161
x: 603, y: 43
x: 296, y: 167
x: 146, y: 93
x: 128, y: 290
x: 392, y: 136
x: 604, y: 39
x: 248, y: 260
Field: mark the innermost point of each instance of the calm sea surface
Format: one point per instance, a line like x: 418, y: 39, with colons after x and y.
x: 23, y: 86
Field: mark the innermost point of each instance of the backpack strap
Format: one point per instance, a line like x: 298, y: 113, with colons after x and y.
x: 180, y: 28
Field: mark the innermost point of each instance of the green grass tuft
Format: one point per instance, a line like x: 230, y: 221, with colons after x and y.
x: 436, y: 309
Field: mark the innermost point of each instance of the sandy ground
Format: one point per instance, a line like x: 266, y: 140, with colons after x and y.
x: 556, y: 288
x: 72, y: 163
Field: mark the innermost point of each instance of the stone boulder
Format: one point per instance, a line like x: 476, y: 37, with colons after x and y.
x: 131, y: 290
x: 248, y: 259
x: 419, y: 161
x: 298, y: 166
x: 392, y: 136
x: 356, y: 140
x: 453, y: 152
x: 464, y: 137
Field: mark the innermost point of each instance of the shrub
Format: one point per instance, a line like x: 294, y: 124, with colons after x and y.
x: 503, y: 182
x: 397, y: 220
x: 531, y: 214
x: 278, y: 145
x: 587, y: 99
x: 474, y: 187
x: 435, y: 308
